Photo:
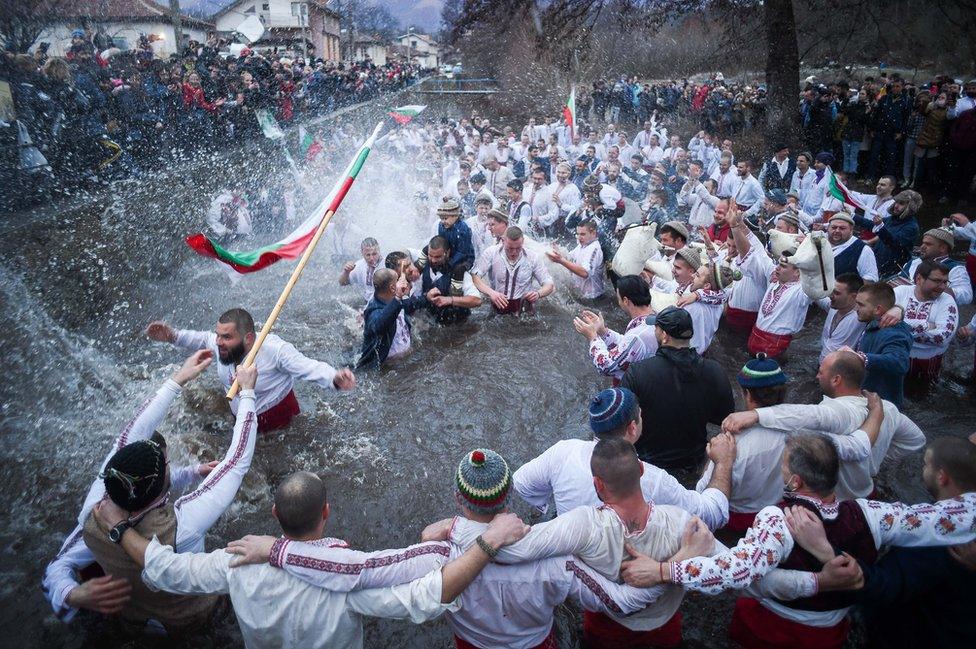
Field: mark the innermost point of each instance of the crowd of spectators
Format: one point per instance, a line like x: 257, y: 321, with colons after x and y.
x: 98, y: 109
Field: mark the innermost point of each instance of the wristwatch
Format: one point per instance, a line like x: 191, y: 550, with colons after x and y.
x: 115, y: 534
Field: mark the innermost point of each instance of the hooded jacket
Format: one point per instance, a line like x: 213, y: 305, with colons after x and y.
x: 679, y: 393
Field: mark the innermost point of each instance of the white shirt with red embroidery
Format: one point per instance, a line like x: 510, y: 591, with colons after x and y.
x: 768, y: 542
x: 195, y: 512
x: 590, y: 257
x: 933, y: 322
x: 756, y: 267
x: 613, y: 353
x: 783, y: 309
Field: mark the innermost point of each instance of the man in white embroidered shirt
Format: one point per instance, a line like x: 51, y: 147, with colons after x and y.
x: 276, y: 609
x: 278, y: 363
x: 585, y: 262
x: 857, y: 528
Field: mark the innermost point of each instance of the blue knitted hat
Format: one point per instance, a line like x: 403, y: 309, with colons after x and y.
x: 483, y: 481
x: 611, y: 409
x: 761, y: 372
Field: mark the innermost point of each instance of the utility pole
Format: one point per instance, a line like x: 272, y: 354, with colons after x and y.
x: 175, y: 17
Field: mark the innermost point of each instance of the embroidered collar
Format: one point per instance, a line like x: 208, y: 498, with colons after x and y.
x: 828, y: 511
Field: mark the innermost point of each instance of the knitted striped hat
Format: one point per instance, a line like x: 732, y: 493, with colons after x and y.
x: 611, y: 409
x: 449, y: 207
x: 761, y: 372
x: 483, y: 481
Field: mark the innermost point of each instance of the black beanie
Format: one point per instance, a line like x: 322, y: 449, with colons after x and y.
x: 135, y: 475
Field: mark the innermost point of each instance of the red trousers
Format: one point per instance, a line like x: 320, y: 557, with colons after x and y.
x: 971, y: 268
x: 756, y: 627
x: 773, y: 345
x: 602, y: 632
x: 924, y: 369
x: 548, y: 643
x: 515, y: 306
x: 279, y: 415
x: 739, y: 319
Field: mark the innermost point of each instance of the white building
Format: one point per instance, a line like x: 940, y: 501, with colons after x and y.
x: 367, y: 46
x: 427, y: 50
x: 307, y: 26
x: 121, y: 21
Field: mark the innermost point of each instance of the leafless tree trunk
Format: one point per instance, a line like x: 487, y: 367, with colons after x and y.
x: 782, y: 69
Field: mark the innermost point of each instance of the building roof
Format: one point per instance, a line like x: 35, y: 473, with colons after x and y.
x: 114, y: 11
x: 321, y: 5
x: 423, y: 37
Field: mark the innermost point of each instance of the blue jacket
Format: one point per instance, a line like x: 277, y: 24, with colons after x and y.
x: 887, y: 352
x: 379, y: 327
x: 896, y: 239
x: 459, y: 236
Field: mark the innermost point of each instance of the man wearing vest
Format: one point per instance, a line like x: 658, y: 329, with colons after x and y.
x: 778, y: 171
x: 442, y: 303
x: 851, y: 255
x: 136, y: 478
x: 937, y: 244
x: 856, y: 531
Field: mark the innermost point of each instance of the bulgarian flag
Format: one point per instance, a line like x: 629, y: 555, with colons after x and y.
x: 292, y: 246
x: 838, y: 190
x: 569, y: 112
x: 403, y: 114
x: 309, y: 145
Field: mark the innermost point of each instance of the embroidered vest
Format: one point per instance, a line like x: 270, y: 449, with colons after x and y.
x: 178, y: 613
x: 846, y: 261
x: 849, y: 532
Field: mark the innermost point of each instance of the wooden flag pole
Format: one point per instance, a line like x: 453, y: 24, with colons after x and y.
x: 295, y: 275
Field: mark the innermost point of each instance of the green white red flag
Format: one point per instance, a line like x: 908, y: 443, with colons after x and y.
x: 838, y: 190
x: 292, y: 246
x: 309, y: 145
x: 403, y: 114
x: 569, y: 112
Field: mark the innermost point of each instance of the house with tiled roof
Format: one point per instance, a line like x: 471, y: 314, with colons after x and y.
x: 117, y: 22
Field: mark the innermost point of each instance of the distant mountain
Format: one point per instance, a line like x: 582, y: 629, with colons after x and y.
x: 201, y: 8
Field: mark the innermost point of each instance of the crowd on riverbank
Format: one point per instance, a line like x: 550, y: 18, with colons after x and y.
x: 111, y: 113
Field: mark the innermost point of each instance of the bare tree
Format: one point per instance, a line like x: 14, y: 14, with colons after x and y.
x: 22, y: 21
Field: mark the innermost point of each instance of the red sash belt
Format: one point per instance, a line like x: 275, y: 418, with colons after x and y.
x: 774, y: 345
x: 515, y: 306
x: 740, y: 319
x: 602, y: 632
x: 971, y: 267
x: 548, y: 643
x: 756, y: 627
x: 925, y: 369
x: 279, y: 415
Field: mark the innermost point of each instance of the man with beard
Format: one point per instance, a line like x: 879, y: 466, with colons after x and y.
x: 896, y: 233
x: 851, y: 255
x: 445, y: 305
x: 278, y: 363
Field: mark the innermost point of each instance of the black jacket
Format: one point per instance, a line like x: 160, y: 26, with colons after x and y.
x: 679, y: 392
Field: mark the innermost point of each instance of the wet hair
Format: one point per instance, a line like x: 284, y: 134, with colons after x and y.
x: 439, y: 243
x: 813, y: 457
x: 696, y: 161
x: 514, y: 233
x: 894, y: 181
x: 849, y: 367
x: 807, y: 155
x: 926, y: 268
x: 383, y: 279
x: 243, y: 322
x: 589, y: 224
x: 298, y: 501
x: 879, y: 294
x: 482, y: 199
x: 615, y: 462
x: 852, y: 281
x: 957, y: 457
x: 393, y: 259
x: 772, y: 395
x: 635, y: 289
x: 369, y: 242
x: 515, y: 184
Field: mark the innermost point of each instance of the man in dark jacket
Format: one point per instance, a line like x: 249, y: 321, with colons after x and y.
x: 679, y: 393
x: 386, y: 328
x: 890, y: 121
x: 884, y: 350
x: 896, y: 236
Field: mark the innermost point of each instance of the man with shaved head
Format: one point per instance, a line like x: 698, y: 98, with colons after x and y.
x: 276, y: 609
x: 841, y: 412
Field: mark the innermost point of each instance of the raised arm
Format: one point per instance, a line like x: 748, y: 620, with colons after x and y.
x: 198, y: 510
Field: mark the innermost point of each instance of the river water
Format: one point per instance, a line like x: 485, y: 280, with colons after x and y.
x: 80, y: 279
